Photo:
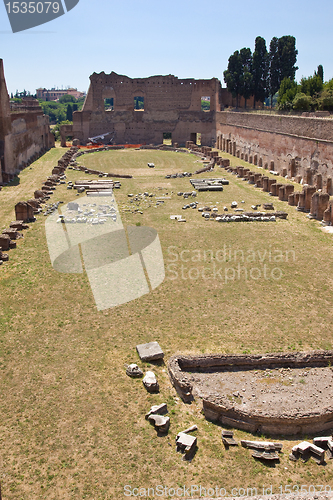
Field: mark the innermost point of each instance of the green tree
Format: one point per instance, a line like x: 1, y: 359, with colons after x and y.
x: 320, y: 72
x: 75, y: 107
x: 274, y: 71
x: 260, y: 70
x: 69, y: 113
x: 246, y: 78
x: 311, y: 85
x: 302, y: 102
x: 233, y: 75
x: 67, y: 98
x: 287, y: 93
x: 325, y: 99
x: 287, y: 57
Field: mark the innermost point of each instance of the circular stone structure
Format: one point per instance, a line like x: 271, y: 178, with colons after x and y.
x: 289, y: 393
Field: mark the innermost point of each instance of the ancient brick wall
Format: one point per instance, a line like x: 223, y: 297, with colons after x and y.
x: 171, y: 105
x: 30, y: 137
x: 24, y: 133
x: 293, y: 143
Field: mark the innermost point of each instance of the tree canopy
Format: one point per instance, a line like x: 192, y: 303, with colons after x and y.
x: 260, y: 70
x: 233, y: 75
x: 260, y: 74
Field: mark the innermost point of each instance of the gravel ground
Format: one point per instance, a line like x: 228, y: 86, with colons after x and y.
x: 277, y: 392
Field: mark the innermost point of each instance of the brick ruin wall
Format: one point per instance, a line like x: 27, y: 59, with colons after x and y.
x: 30, y: 137
x: 291, y: 145
x: 24, y: 133
x: 171, y: 106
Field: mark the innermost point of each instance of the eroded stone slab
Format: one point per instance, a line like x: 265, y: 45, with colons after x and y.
x: 150, y: 352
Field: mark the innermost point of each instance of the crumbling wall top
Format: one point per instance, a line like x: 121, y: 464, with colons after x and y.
x: 160, y: 93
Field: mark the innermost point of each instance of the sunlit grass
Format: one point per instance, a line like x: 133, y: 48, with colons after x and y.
x: 72, y: 422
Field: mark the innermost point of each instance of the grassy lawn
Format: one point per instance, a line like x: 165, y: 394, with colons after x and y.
x: 72, y: 422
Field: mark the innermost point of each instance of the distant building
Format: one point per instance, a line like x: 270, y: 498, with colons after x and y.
x: 55, y: 94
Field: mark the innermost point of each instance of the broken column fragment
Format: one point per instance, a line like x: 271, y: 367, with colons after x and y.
x: 161, y: 409
x: 228, y: 438
x: 134, y: 371
x: 305, y: 450
x: 265, y: 450
x: 150, y: 382
x: 186, y: 443
x: 160, y: 422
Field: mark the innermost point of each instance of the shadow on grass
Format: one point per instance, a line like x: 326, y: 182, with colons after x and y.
x: 14, y: 182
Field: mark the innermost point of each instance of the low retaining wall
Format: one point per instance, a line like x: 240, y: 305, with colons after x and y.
x: 249, y: 417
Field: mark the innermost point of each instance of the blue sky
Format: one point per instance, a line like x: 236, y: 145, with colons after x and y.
x: 186, y: 38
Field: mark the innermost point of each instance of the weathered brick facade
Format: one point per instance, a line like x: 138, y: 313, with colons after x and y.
x: 171, y: 105
x: 292, y: 145
x: 24, y: 132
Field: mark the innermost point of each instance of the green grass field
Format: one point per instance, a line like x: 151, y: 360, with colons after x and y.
x: 72, y: 422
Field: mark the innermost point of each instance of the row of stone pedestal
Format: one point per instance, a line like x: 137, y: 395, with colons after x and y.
x: 310, y: 200
x: 25, y: 210
x: 207, y: 152
x: 310, y: 177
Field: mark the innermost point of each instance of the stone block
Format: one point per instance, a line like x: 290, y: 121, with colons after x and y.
x: 265, y: 187
x: 24, y: 211
x: 305, y: 450
x: 4, y: 242
x: 309, y: 191
x: 319, y: 181
x: 186, y: 443
x: 18, y: 225
x: 292, y: 167
x: 134, y: 371
x: 150, y: 382
x: 319, y: 203
x: 228, y: 438
x: 160, y: 422
x: 308, y: 176
x: 150, y: 351
x: 161, y: 409
x: 12, y: 233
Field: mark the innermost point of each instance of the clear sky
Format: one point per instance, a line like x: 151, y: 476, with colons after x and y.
x: 186, y: 38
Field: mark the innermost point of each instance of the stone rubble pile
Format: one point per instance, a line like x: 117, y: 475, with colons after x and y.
x: 214, y: 184
x: 88, y: 213
x: 8, y: 238
x: 264, y: 450
x: 185, y: 443
x: 134, y: 371
x: 242, y: 217
x: 305, y: 450
x: 179, y: 175
x: 145, y: 200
